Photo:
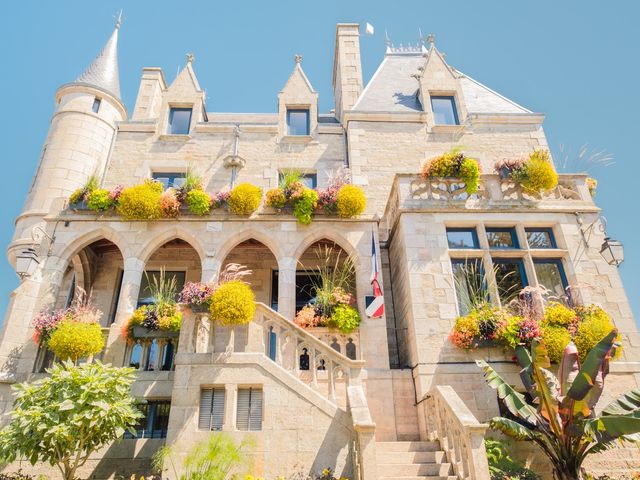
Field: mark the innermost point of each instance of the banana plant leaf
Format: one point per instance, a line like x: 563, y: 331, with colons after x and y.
x: 548, y: 388
x: 627, y: 403
x: 524, y: 360
x: 610, y: 427
x: 514, y: 401
x: 569, y: 367
x: 512, y: 429
x: 585, y: 379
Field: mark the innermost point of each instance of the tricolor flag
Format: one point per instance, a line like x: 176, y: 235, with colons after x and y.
x: 375, y: 303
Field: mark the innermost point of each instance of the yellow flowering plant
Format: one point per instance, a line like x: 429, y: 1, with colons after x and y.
x: 232, y: 303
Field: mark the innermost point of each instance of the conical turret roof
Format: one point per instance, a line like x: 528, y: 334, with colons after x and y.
x: 103, y: 71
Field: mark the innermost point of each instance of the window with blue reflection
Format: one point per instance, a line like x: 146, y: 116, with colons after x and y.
x: 96, y: 105
x: 469, y: 283
x: 502, y: 238
x: 169, y: 180
x: 550, y: 274
x: 511, y: 277
x: 540, y: 238
x: 136, y: 356
x: 179, y: 121
x: 462, y: 238
x: 444, y: 110
x: 298, y: 122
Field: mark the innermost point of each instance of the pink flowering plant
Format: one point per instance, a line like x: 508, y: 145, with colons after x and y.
x: 196, y: 293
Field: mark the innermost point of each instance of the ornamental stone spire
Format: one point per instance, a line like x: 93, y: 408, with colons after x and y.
x: 103, y: 71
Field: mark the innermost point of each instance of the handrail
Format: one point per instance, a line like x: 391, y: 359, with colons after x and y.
x: 460, y: 434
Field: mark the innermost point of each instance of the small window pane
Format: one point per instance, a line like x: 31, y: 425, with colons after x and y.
x: 444, y: 110
x: 551, y: 275
x: 502, y: 238
x: 462, y: 238
x: 155, y: 420
x: 169, y: 180
x: 297, y: 122
x: 211, y: 415
x: 179, y: 121
x: 310, y: 180
x: 540, y: 238
x: 468, y: 276
x: 249, y: 412
x: 510, y: 278
x: 96, y: 105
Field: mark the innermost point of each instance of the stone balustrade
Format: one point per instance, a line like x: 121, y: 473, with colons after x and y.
x: 413, y: 193
x: 460, y: 434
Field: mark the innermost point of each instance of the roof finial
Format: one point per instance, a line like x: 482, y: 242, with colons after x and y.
x: 190, y: 57
x: 298, y: 59
x: 431, y: 38
x: 386, y: 37
x: 119, y: 19
x: 420, y: 37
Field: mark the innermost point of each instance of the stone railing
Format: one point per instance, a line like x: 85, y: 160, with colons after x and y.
x: 413, y: 193
x: 364, y: 444
x: 460, y: 434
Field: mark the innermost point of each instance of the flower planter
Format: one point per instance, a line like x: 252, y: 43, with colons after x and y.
x: 142, y: 332
x: 79, y: 206
x: 203, y: 308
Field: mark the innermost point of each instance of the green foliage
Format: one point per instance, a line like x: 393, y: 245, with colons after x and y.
x: 216, y: 458
x: 345, y: 318
x: 351, y: 201
x: 335, y: 272
x: 199, y: 202
x: 561, y: 419
x: 537, y: 173
x: 245, y: 199
x: 162, y: 289
x: 233, y: 303
x: 454, y: 164
x: 75, y: 340
x: 83, y: 193
x: 99, y: 200
x: 502, y: 466
x: 465, y: 331
x: 141, y: 202
x: 65, y: 417
x: 289, y: 177
x: 305, y: 205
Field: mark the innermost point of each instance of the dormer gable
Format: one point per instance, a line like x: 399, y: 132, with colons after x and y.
x: 297, y: 105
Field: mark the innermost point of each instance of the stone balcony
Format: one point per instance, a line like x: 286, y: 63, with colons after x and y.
x: 411, y: 192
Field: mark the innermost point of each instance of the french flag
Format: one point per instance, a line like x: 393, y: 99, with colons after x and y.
x: 375, y: 302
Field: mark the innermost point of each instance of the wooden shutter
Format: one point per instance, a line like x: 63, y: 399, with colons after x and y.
x: 249, y: 414
x: 211, y: 409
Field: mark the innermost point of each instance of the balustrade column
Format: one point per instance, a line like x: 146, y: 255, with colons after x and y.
x: 287, y: 287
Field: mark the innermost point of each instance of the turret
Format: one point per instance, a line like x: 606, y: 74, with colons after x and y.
x: 79, y: 142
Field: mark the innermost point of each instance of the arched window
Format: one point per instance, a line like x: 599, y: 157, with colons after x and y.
x: 304, y: 359
x: 136, y: 356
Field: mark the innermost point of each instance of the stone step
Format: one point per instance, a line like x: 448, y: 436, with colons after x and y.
x: 407, y: 446
x: 422, y: 477
x: 414, y: 470
x: 410, y: 457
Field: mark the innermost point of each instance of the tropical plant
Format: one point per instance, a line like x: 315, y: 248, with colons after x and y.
x: 454, y: 164
x: 75, y: 340
x: 62, y: 419
x: 245, y: 199
x: 232, y: 303
x: 561, y: 419
x: 350, y: 201
x: 199, y: 202
x: 216, y: 458
x: 141, y: 202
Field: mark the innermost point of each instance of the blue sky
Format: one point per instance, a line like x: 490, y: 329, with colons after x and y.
x: 576, y: 61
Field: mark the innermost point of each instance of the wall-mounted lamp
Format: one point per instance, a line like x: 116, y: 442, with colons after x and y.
x: 611, y: 250
x: 26, y: 263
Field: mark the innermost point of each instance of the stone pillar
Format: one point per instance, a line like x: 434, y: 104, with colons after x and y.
x: 131, y: 279
x: 231, y: 394
x: 287, y: 287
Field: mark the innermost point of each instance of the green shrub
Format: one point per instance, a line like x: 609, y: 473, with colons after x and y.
x: 345, y: 318
x: 351, y: 201
x: 74, y: 340
x: 305, y: 205
x: 245, y: 199
x: 555, y: 338
x: 198, y: 201
x: 454, y: 164
x: 100, y: 200
x: 276, y: 198
x: 141, y: 202
x: 594, y: 325
x: 232, y: 303
x: 502, y: 466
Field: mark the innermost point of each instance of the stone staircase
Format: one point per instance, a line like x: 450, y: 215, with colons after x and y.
x: 412, y: 460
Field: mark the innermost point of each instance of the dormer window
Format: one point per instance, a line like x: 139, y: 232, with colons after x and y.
x: 179, y: 121
x: 298, y: 121
x: 96, y: 105
x: 444, y: 110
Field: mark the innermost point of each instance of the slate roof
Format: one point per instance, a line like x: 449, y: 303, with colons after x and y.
x: 103, y: 71
x: 393, y: 89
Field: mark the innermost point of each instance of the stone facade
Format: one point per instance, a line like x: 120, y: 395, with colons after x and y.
x: 333, y: 414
